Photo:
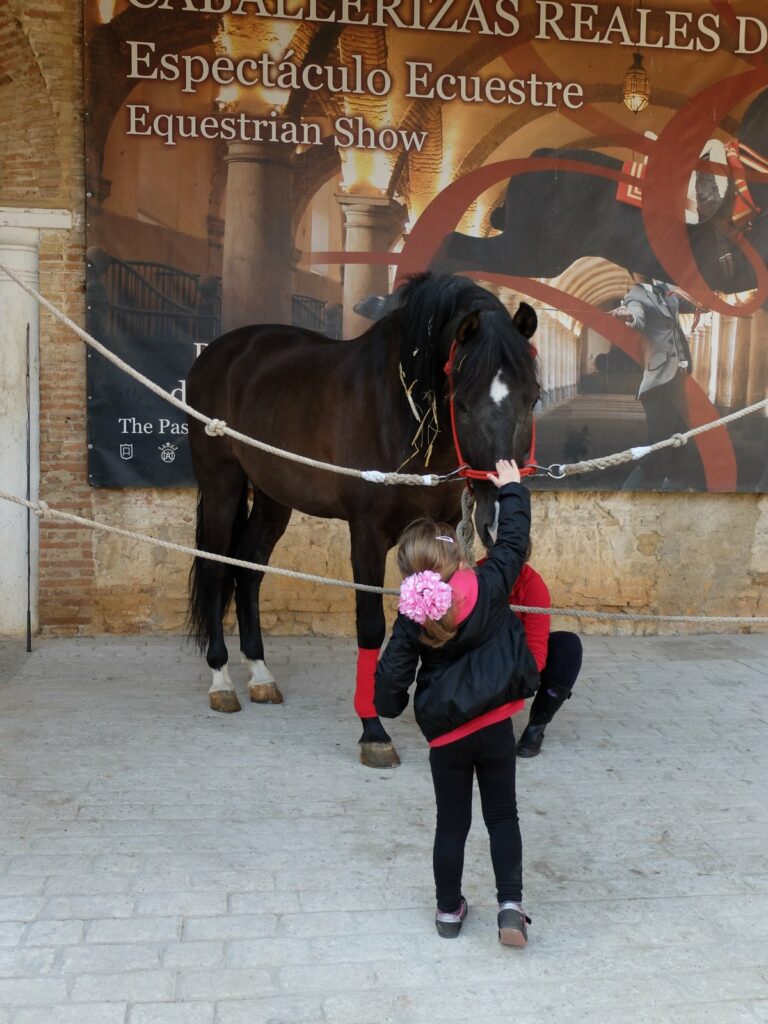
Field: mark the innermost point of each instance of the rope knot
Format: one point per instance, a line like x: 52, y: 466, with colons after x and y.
x: 41, y: 510
x: 678, y: 440
x: 216, y: 428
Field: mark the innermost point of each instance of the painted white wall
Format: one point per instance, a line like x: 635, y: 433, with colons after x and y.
x: 19, y: 403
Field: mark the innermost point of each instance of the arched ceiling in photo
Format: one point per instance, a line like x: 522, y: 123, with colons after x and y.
x: 460, y: 136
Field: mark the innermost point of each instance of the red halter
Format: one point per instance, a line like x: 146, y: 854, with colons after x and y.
x: 464, y: 470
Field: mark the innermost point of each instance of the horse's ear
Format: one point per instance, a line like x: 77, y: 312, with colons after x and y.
x: 525, y: 320
x: 468, y: 328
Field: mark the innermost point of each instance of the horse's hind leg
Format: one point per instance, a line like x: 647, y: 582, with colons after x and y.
x: 266, y: 525
x: 369, y: 553
x: 221, y: 513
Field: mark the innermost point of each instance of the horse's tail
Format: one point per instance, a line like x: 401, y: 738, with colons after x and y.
x: 199, y: 587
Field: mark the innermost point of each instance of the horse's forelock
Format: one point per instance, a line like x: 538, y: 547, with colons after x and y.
x: 428, y: 304
x: 499, y: 343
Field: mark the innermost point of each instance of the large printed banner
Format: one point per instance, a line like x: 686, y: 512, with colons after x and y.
x: 292, y: 161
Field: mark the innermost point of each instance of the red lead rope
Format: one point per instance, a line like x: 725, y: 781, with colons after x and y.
x: 464, y: 470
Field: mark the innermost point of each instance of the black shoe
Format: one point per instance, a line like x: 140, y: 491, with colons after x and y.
x: 449, y: 925
x: 530, y: 742
x: 512, y: 923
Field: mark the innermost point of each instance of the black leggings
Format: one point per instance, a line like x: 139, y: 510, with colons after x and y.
x: 491, y: 753
x: 561, y: 671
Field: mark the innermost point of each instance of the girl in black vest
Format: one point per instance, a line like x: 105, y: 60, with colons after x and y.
x: 474, y: 669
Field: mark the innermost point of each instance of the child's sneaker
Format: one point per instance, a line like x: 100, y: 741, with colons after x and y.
x: 449, y: 925
x: 512, y: 923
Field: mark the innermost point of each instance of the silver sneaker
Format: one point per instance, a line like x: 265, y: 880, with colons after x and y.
x: 512, y: 922
x: 449, y: 925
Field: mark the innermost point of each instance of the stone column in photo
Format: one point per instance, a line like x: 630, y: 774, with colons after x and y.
x: 20, y: 411
x: 564, y: 345
x: 570, y: 343
x: 371, y: 224
x: 550, y: 366
x: 560, y: 362
x: 541, y: 341
x: 583, y: 366
x: 757, y: 379
x: 699, y: 342
x: 740, y: 368
x: 714, y: 350
x: 256, y: 274
x: 573, y: 365
x: 725, y: 361
x: 548, y: 362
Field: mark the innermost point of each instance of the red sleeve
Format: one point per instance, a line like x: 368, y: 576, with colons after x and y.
x: 531, y: 590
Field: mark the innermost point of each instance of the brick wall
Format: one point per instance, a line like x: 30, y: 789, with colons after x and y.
x: 688, y: 553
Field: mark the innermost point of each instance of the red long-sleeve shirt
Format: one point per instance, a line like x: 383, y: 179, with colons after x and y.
x: 531, y: 590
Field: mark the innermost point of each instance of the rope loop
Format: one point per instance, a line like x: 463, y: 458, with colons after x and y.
x: 465, y: 531
x: 216, y: 428
x: 41, y: 509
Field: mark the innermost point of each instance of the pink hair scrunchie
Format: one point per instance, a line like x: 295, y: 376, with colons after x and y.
x: 424, y: 596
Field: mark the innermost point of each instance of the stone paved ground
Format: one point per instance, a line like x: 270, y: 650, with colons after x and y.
x: 161, y: 864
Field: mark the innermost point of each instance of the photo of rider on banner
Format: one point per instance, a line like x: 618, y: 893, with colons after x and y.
x: 295, y: 163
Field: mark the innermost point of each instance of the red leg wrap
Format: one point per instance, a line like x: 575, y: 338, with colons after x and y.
x: 366, y: 666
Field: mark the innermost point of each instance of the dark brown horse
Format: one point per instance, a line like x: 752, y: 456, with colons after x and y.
x: 345, y: 402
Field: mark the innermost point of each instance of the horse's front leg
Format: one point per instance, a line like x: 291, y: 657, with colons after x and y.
x: 369, y: 554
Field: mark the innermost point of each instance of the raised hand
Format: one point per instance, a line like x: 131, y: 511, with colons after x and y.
x: 506, y: 473
x: 622, y: 313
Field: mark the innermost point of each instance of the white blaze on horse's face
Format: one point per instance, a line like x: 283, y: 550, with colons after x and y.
x: 499, y: 389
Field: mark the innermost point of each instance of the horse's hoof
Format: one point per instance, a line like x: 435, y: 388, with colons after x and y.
x: 224, y: 700
x: 379, y: 755
x: 265, y: 693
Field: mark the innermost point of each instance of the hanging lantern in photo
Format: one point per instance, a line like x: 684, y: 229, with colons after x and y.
x: 637, y: 88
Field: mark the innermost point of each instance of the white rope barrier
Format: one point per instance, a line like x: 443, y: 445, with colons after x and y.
x: 218, y: 428
x: 675, y: 441
x: 44, y: 511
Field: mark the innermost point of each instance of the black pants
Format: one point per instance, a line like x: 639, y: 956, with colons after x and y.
x: 564, y: 654
x: 491, y: 753
x: 666, y: 413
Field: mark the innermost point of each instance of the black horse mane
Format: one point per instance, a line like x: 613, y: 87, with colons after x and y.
x: 428, y: 304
